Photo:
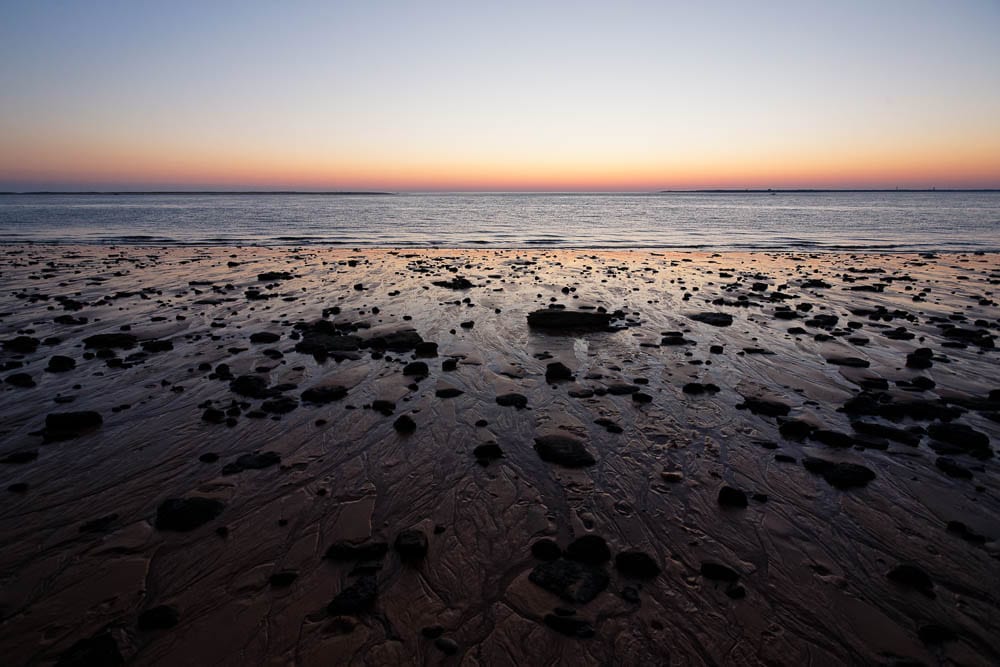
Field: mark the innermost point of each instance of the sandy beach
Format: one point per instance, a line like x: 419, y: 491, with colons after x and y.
x: 323, y: 456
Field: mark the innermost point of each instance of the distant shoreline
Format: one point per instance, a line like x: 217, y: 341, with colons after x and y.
x: 708, y: 191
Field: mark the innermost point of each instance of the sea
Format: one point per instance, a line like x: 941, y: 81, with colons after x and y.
x: 775, y: 221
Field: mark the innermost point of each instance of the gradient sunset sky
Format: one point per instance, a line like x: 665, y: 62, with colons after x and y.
x: 627, y: 96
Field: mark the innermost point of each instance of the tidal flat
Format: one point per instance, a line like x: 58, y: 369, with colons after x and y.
x: 316, y: 456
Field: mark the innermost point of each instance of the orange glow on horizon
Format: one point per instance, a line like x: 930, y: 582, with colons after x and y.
x: 248, y: 170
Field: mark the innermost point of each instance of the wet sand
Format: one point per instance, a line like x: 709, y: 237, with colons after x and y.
x: 724, y: 458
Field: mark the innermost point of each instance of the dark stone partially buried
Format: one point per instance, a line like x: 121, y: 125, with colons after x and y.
x: 569, y: 320
x: 512, y: 400
x: 255, y: 461
x: 590, y: 549
x: 563, y: 450
x: 351, y: 551
x: 184, y: 514
x: 161, y: 617
x: 838, y: 474
x: 715, y: 319
x: 323, y: 394
x: 67, y: 425
x: 100, y: 650
x: 570, y: 626
x: 573, y: 581
x: 764, y: 406
x: 636, y: 564
x: 411, y: 545
x: 251, y: 386
x: 557, y: 372
x: 355, y: 599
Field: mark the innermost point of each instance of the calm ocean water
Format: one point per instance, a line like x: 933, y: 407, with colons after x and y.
x: 744, y: 221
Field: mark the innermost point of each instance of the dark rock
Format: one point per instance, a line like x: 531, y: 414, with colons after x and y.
x: 251, y: 386
x: 569, y: 320
x: 448, y: 392
x: 850, y: 362
x: 912, y: 576
x: 764, y: 406
x: 715, y: 319
x: 962, y: 437
x: 274, y: 275
x: 61, y: 364
x: 264, y: 337
x: 404, y: 424
x: 426, y: 349
x: 411, y: 545
x: 952, y: 468
x: 154, y: 346
x: 837, y: 474
x: 67, y: 425
x: 557, y: 372
x: 563, y: 450
x: 416, y: 369
x: 718, y: 572
x: 458, y: 282
x: 446, y: 645
x: 641, y: 398
x: 213, y: 416
x: 966, y: 533
x: 404, y: 340
x: 730, y: 497
x: 573, y: 581
x: 622, y: 389
x: 609, y: 426
x: 22, y: 380
x: 569, y: 626
x: 636, y: 564
x: 888, y: 432
x: 795, y: 429
x: 283, y: 579
x: 933, y: 633
x: 279, y: 406
x: 736, y: 591
x: 100, y: 524
x: 545, y: 549
x: 487, y: 452
x: 255, y: 461
x: 184, y: 514
x: 101, y: 650
x: 21, y: 345
x: 590, y: 549
x: 355, y: 599
x: 832, y: 438
x: 697, y: 388
x: 162, y: 617
x: 323, y: 394
x: 350, y: 551
x: 512, y: 400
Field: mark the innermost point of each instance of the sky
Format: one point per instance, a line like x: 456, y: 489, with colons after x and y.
x: 512, y: 96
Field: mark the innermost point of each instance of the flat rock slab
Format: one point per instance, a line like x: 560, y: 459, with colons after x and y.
x: 839, y: 474
x: 563, y: 450
x: 715, y: 319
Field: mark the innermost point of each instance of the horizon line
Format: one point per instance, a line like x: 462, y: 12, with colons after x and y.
x: 357, y: 193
